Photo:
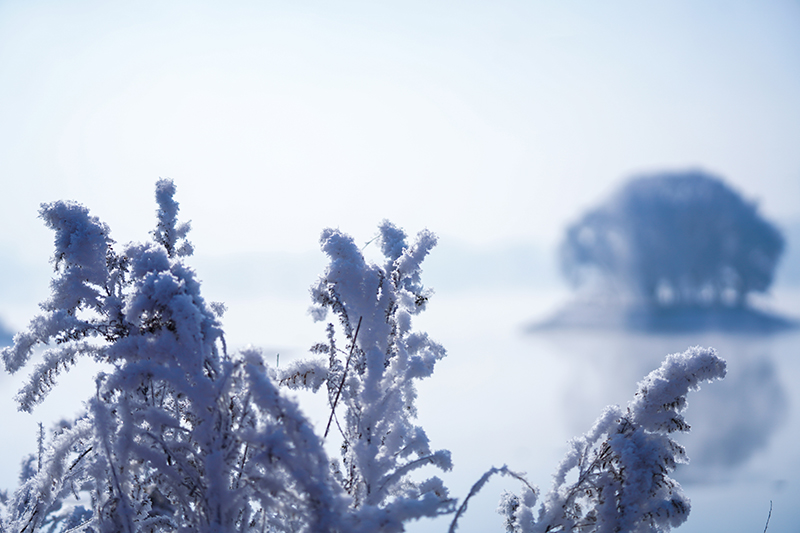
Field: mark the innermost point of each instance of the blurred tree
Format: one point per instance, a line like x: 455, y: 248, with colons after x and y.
x: 672, y: 239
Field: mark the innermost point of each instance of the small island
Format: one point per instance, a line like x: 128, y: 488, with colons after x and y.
x: 671, y: 252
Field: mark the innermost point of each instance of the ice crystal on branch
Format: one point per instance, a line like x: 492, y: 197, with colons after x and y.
x: 179, y: 435
x: 372, y: 379
x: 623, y: 463
x: 169, y: 233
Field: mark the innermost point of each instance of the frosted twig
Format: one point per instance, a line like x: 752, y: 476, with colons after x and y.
x: 479, y: 485
x: 344, y: 375
x: 768, y: 517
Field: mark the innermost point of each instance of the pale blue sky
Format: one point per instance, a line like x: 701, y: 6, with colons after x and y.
x: 491, y: 122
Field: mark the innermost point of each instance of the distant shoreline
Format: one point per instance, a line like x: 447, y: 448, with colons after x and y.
x: 604, y: 315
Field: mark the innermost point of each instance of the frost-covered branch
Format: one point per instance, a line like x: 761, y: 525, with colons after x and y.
x: 180, y: 435
x: 623, y: 463
x: 374, y: 380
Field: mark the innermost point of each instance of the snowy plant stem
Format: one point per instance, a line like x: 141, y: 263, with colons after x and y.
x: 476, y: 488
x: 344, y: 376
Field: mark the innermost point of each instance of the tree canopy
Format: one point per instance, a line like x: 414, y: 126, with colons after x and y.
x: 675, y: 238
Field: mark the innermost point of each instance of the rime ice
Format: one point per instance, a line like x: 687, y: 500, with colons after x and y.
x: 180, y: 435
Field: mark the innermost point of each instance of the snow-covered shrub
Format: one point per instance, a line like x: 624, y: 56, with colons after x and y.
x: 373, y: 380
x: 622, y: 464
x: 179, y: 435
